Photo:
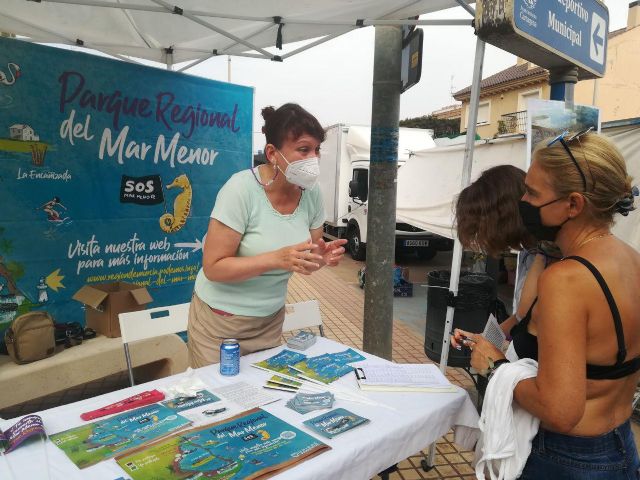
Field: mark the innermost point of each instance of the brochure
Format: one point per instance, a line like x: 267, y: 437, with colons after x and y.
x: 93, y: 442
x: 328, y: 367
x: 203, y: 397
x: 335, y: 422
x: 25, y: 428
x: 285, y: 382
x: 254, y: 444
x: 280, y: 362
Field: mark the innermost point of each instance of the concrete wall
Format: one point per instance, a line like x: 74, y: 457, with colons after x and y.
x: 618, y: 92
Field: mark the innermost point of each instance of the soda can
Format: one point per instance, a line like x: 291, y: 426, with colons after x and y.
x: 230, y: 357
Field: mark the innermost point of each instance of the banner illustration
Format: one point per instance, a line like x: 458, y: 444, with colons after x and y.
x: 108, y: 172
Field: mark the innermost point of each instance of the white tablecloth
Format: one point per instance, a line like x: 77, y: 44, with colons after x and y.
x: 414, y: 421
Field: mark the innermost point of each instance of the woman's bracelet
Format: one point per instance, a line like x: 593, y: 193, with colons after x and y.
x: 493, y: 366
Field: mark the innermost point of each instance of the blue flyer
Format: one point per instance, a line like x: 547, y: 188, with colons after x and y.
x: 335, y: 422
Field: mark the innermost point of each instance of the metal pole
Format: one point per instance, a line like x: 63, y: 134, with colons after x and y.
x: 472, y: 121
x: 229, y: 68
x: 456, y: 261
x: 383, y: 170
x: 169, y: 58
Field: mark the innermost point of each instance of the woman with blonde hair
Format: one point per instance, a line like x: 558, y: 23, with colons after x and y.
x: 584, y: 328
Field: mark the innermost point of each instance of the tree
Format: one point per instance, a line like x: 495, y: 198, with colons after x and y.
x: 442, y: 127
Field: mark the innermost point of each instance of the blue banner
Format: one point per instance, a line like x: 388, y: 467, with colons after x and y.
x: 108, y: 172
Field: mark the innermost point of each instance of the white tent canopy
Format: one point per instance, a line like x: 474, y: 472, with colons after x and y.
x: 194, y: 30
x: 429, y: 204
x: 435, y: 179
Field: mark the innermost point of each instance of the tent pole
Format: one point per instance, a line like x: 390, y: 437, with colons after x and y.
x: 466, y: 177
x: 383, y: 171
x: 168, y: 56
x: 472, y: 121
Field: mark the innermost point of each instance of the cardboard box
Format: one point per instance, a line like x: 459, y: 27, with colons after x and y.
x: 106, y: 300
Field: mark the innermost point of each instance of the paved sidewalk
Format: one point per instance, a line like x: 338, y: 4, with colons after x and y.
x: 342, y: 306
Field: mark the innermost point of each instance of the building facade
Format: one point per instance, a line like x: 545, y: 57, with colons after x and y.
x: 504, y: 96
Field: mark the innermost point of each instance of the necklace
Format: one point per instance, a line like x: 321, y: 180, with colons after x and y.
x: 602, y: 235
x: 258, y: 180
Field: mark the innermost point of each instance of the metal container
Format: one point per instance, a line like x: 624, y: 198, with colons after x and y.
x: 230, y: 357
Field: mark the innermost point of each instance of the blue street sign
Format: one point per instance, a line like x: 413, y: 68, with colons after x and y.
x: 576, y: 30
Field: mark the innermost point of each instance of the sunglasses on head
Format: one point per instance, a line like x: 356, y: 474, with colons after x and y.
x: 565, y: 138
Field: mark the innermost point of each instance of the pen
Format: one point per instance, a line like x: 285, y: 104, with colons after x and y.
x: 465, y: 339
x: 211, y: 413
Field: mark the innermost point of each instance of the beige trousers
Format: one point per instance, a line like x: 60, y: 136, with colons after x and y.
x: 207, y: 329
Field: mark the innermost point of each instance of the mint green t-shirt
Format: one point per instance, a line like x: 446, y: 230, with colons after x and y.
x: 242, y: 205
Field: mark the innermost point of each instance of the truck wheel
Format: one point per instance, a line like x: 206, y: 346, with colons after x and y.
x: 426, y: 253
x: 356, y: 247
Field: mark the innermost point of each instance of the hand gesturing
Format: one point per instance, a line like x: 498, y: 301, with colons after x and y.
x: 299, y: 258
x: 331, y: 252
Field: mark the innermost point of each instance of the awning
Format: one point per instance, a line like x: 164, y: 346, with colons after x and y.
x: 194, y: 30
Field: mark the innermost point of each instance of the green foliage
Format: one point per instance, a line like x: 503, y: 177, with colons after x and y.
x: 441, y: 127
x: 6, y: 245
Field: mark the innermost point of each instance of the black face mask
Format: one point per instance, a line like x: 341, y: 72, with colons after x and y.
x: 532, y: 221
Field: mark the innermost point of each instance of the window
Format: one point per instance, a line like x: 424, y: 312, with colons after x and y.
x: 484, y: 113
x: 524, y: 97
x: 361, y: 179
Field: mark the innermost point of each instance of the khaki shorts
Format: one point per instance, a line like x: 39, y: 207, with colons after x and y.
x: 207, y: 330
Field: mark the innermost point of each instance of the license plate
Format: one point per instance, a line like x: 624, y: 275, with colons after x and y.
x: 416, y: 243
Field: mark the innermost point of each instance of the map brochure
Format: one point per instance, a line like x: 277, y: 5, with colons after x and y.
x: 335, y: 422
x: 254, y: 444
x: 91, y: 443
x: 280, y: 362
x: 328, y: 367
x: 203, y: 397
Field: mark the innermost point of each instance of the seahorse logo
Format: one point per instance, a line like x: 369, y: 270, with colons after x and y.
x: 171, y: 223
x: 14, y: 70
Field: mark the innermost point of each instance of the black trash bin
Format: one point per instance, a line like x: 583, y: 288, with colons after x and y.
x: 475, y: 301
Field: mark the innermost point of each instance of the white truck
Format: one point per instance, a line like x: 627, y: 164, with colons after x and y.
x: 344, y: 183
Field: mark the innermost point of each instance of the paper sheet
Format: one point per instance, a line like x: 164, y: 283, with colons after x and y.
x: 246, y: 395
x: 417, y: 375
x: 494, y: 333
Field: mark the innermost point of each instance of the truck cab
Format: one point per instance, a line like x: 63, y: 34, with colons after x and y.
x: 344, y: 183
x: 409, y: 238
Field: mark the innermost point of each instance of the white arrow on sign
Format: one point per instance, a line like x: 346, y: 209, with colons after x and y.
x: 197, y: 245
x: 597, y: 38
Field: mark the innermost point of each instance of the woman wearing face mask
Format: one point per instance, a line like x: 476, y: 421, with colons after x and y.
x: 487, y: 220
x: 584, y: 328
x: 265, y: 225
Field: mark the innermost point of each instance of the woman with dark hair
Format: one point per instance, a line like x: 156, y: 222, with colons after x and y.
x: 265, y: 225
x: 487, y: 220
x: 584, y: 328
x: 487, y: 212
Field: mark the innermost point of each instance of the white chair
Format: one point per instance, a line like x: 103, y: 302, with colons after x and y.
x: 150, y: 323
x: 302, y: 315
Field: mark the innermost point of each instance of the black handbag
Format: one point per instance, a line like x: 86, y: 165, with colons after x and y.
x: 72, y: 333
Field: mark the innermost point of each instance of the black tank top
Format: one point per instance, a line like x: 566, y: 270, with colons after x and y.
x: 526, y: 345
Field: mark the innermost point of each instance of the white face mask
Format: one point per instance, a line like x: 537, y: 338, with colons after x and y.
x: 303, y: 173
